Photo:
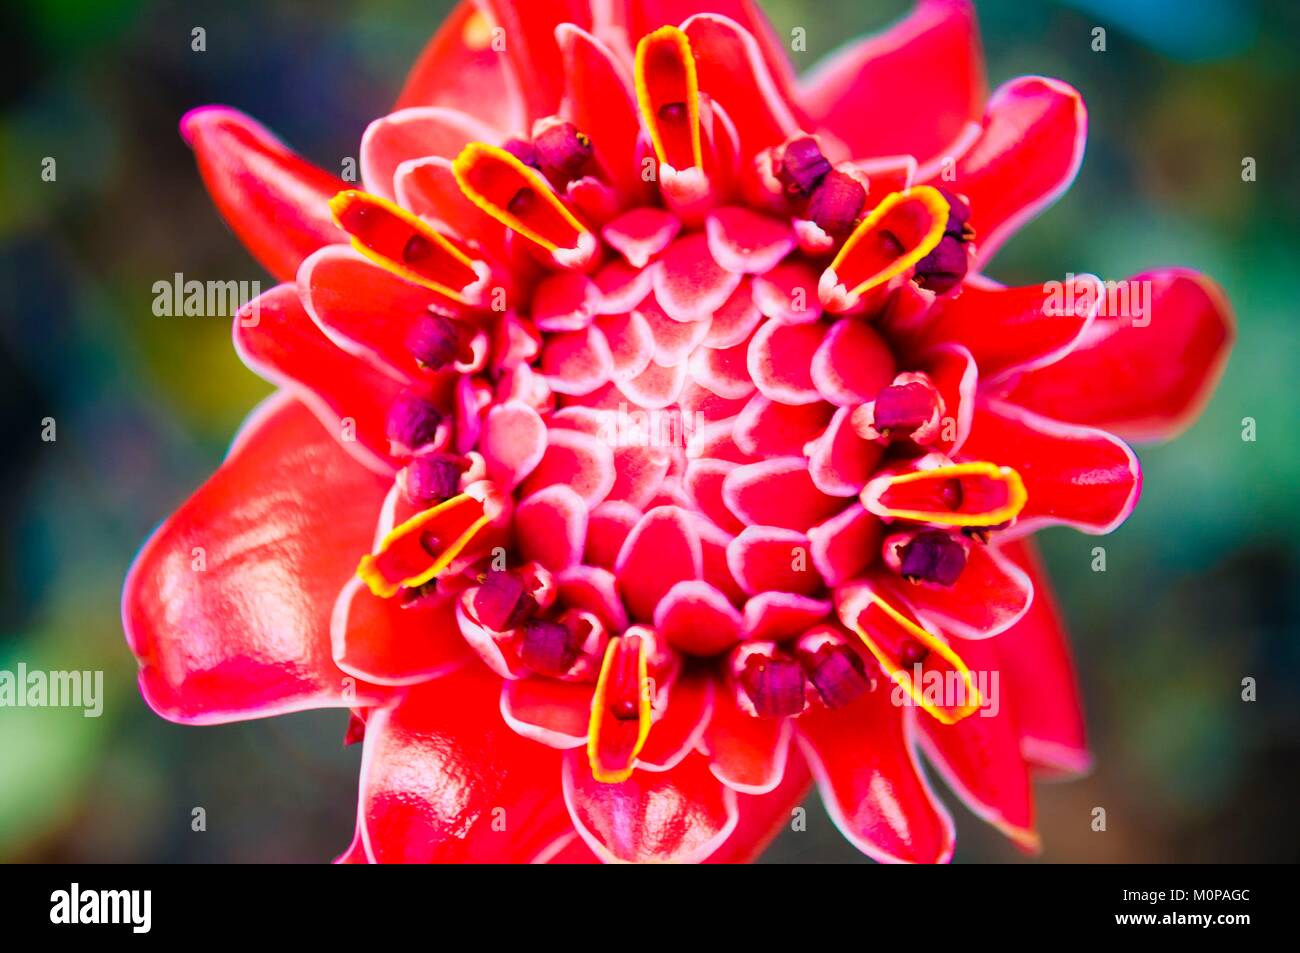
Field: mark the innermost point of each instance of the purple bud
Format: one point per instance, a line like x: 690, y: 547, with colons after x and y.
x: 433, y: 340
x: 838, y: 675
x: 412, y: 422
x: 836, y: 204
x: 903, y: 407
x: 803, y: 167
x: 548, y: 648
x: 933, y: 557
x: 562, y: 153
x: 501, y: 602
x: 775, y: 686
x: 945, y: 266
x: 522, y: 150
x: 958, y: 214
x: 432, y: 479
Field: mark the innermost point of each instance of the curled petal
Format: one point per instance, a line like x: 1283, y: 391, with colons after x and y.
x: 228, y: 605
x: 1040, y: 675
x: 980, y: 757
x: 276, y: 202
x: 1027, y: 154
x: 1145, y: 376
x: 384, y: 642
x: 1079, y: 476
x: 870, y: 782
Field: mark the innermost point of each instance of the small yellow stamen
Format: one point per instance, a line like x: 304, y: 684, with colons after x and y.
x: 1017, y: 495
x: 665, y: 76
x: 599, y: 713
x: 370, y: 571
x: 948, y: 716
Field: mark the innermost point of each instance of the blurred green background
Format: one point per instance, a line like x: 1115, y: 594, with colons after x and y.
x: 1202, y: 583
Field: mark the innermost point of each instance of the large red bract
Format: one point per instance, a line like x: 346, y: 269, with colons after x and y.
x: 648, y: 441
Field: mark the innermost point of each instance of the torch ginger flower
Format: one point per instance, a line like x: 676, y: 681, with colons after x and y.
x: 648, y: 440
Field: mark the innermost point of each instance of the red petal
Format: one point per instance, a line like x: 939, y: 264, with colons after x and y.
x: 607, y: 528
x: 678, y: 730
x: 1074, y: 475
x: 746, y: 753
x: 598, y: 102
x: 733, y: 72
x: 747, y: 241
x: 735, y: 320
x: 642, y: 233
x: 870, y: 782
x: 445, y: 780
x: 228, y: 604
x: 723, y: 370
x: 513, y: 442
x: 551, y: 527
x: 656, y: 387
x: 910, y: 90
x: 577, y: 459
x: 1143, y: 378
x: 364, y: 309
x: 852, y: 364
x: 576, y: 362
x: 704, y: 481
x: 698, y: 619
x: 777, y: 616
x: 415, y: 133
x: 842, y: 546
x: 548, y: 711
x: 780, y: 357
x: 777, y: 492
x: 384, y: 642
x: 762, y: 558
x: 689, y: 284
x: 674, y: 340
x: 631, y: 343
x: 788, y: 293
x: 276, y: 337
x: 841, y: 462
x: 1006, y: 329
x: 681, y: 815
x: 662, y: 549
x: 979, y: 757
x: 767, y: 429
x: 275, y: 201
x: 1027, y: 155
x: 460, y: 69
x: 531, y: 47
x: 1040, y: 675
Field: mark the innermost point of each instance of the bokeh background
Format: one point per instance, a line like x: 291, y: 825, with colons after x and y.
x: 1203, y: 583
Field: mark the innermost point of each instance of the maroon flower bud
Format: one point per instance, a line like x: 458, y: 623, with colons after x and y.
x: 548, y: 648
x: 431, y: 479
x: 945, y: 266
x: 958, y: 214
x: 433, y: 340
x: 838, y: 674
x: 803, y: 167
x: 837, y: 203
x: 502, y: 602
x: 933, y: 557
x: 521, y: 150
x: 562, y: 153
x: 774, y: 685
x: 412, y: 422
x: 903, y: 407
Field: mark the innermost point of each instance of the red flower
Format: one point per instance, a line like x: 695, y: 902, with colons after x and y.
x: 644, y: 413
